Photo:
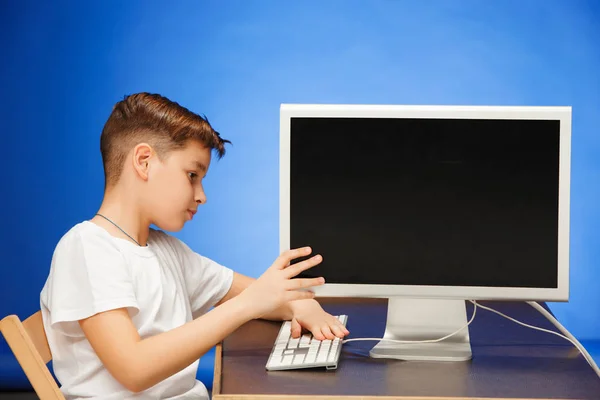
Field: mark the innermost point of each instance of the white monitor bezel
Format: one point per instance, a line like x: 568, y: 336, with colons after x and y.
x: 563, y: 114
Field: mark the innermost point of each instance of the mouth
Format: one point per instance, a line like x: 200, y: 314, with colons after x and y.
x: 191, y: 213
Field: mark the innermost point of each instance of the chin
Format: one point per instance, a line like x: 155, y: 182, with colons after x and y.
x: 171, y: 226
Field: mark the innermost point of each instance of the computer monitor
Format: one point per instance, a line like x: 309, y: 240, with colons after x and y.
x: 429, y: 206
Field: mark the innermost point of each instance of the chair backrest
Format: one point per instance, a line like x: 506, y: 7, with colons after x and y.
x: 29, y: 344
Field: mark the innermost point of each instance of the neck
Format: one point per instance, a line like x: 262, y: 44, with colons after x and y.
x: 123, y: 211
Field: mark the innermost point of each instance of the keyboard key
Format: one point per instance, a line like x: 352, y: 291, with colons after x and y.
x: 275, y: 362
x: 304, y: 341
x: 287, y: 360
x: 299, y: 358
x: 331, y: 357
x: 310, y: 358
x: 285, y: 332
x: 280, y: 347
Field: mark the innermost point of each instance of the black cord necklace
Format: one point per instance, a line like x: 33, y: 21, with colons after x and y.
x: 100, y: 215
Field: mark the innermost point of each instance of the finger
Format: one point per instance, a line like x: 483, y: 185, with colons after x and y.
x: 341, y: 326
x: 295, y: 269
x: 293, y: 295
x: 316, y: 332
x: 303, y: 283
x: 284, y: 258
x: 346, y: 331
x: 337, y: 331
x: 296, y: 328
x: 327, y: 332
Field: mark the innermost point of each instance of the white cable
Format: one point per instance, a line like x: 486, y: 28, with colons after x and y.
x: 418, y: 341
x: 567, y: 335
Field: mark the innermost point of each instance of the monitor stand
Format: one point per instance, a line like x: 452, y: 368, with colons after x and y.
x: 425, y: 319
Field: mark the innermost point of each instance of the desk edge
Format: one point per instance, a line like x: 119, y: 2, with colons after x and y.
x: 216, y: 391
x: 352, y: 397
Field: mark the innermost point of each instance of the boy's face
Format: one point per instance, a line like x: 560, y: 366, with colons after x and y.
x: 174, y: 189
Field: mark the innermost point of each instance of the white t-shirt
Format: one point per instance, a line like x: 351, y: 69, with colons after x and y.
x: 163, y: 285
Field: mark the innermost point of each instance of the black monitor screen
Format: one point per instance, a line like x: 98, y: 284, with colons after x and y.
x: 452, y: 202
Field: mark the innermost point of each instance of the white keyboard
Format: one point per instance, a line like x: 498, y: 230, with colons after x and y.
x: 305, y: 351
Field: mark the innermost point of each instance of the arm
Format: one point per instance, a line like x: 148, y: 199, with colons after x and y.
x: 241, y: 282
x: 139, y: 364
x: 303, y: 313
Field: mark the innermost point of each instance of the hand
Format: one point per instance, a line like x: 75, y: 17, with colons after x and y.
x: 276, y: 288
x: 309, y: 315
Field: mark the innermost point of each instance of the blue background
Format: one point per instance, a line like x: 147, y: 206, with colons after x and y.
x: 63, y: 65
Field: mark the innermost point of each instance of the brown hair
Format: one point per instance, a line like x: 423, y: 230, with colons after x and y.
x: 151, y: 118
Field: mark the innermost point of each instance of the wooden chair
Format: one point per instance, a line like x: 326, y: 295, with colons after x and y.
x: 28, y: 342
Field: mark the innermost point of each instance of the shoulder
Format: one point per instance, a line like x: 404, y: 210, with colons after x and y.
x: 169, y: 245
x: 86, y: 236
x: 163, y: 242
x: 158, y: 238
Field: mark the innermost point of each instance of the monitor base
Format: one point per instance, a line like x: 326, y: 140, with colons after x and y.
x: 425, y: 319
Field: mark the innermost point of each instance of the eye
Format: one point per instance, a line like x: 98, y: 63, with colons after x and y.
x: 192, y: 176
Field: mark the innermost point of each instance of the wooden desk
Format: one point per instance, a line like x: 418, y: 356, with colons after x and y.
x: 509, y: 362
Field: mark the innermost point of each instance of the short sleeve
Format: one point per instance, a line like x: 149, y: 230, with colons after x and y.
x: 87, y: 276
x: 207, y: 282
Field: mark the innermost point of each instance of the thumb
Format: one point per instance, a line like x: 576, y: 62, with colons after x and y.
x: 296, y: 328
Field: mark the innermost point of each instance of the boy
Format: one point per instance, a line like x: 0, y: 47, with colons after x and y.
x: 126, y: 307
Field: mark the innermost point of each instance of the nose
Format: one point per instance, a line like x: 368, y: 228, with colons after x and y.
x: 200, y: 196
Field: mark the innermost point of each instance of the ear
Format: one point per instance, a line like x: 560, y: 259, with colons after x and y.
x: 143, y: 155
